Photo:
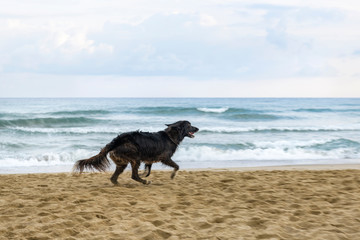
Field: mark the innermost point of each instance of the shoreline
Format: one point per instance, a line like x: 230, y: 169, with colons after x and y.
x: 304, y: 167
x: 60, y: 169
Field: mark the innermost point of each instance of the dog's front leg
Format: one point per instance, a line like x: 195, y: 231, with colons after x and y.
x: 173, y: 164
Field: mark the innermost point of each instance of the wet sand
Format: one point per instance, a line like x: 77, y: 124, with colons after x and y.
x: 262, y: 203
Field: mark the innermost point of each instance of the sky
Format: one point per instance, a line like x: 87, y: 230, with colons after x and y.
x: 170, y: 48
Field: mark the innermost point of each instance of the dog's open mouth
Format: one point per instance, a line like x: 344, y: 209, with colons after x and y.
x: 191, y: 134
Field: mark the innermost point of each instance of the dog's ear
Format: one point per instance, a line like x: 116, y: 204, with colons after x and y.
x: 173, y: 125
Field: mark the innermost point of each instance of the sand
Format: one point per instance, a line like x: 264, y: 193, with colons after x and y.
x: 222, y: 204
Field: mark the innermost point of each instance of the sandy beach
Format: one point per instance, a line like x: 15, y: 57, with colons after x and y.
x: 259, y: 203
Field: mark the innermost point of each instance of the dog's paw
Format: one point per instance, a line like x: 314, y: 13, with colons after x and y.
x: 173, y: 174
x: 114, y: 182
x: 147, y: 182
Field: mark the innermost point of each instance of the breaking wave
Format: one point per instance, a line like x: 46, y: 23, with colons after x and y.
x: 230, y: 130
x: 213, y: 110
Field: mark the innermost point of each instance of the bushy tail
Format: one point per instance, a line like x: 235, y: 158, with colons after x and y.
x: 99, y: 162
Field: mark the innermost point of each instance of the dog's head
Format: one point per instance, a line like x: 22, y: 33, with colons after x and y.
x: 181, y: 129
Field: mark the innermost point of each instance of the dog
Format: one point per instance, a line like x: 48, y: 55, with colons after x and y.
x: 136, y: 147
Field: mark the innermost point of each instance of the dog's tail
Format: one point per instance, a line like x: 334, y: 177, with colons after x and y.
x: 100, y: 161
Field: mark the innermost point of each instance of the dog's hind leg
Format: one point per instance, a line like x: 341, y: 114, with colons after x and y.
x: 135, y: 172
x: 148, y: 166
x: 118, y: 171
x: 147, y: 170
x: 173, y: 164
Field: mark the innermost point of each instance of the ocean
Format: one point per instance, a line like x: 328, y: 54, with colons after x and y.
x: 49, y: 135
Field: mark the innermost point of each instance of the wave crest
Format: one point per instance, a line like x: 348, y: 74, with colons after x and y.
x: 46, y: 122
x: 213, y: 110
x: 229, y: 130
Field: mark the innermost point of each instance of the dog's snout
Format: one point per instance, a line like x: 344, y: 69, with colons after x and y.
x: 195, y: 129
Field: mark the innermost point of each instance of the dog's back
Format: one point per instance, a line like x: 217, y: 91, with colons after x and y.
x: 150, y: 145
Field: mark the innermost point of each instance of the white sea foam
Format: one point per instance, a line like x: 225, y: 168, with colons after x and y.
x: 84, y: 130
x: 115, y: 130
x: 282, y: 144
x: 70, y: 130
x: 46, y: 159
x: 269, y: 128
x: 277, y: 151
x: 205, y: 153
x: 213, y: 110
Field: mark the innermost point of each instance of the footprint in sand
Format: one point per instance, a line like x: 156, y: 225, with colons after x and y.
x: 218, y: 220
x: 257, y: 223
x: 100, y: 216
x: 203, y: 225
x: 157, y: 223
x: 268, y: 236
x: 43, y: 214
x: 164, y: 207
x: 157, y: 234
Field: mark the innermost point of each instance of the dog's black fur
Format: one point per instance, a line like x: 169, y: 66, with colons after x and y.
x: 137, y: 147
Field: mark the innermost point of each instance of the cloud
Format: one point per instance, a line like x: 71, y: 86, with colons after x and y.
x: 163, y: 44
x: 227, y: 41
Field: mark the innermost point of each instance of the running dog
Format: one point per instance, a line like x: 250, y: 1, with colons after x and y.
x: 136, y: 147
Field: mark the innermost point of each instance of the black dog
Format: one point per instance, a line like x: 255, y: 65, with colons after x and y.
x: 137, y: 147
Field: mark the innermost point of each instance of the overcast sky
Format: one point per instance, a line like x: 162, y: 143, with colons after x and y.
x: 219, y: 48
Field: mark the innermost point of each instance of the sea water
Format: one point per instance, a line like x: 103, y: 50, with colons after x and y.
x: 47, y: 135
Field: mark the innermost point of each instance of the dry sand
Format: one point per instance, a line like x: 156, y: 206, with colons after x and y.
x: 277, y: 204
